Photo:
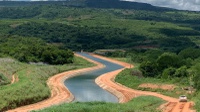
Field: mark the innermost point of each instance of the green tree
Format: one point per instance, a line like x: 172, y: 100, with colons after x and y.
x: 152, y: 54
x: 192, y: 53
x: 168, y: 73
x: 35, y: 50
x: 181, y: 72
x: 149, y: 69
x: 195, y: 72
x: 167, y: 60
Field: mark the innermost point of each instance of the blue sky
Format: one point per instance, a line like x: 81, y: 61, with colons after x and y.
x: 193, y: 5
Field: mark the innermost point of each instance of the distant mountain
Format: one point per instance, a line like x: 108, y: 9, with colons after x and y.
x: 89, y: 3
x: 123, y: 5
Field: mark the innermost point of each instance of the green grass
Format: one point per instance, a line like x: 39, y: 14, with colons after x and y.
x: 139, y: 104
x: 127, y: 60
x: 131, y: 81
x: 196, y: 99
x: 31, y: 86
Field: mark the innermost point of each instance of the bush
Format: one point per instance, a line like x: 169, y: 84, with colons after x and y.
x: 181, y: 72
x: 137, y: 73
x: 168, y: 72
x: 3, y: 79
x: 34, y: 50
x: 167, y: 60
x: 192, y: 53
x: 196, y: 75
x: 56, y: 56
x: 149, y: 69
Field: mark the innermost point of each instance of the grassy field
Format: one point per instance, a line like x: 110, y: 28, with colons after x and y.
x: 127, y: 60
x: 139, y: 104
x: 31, y: 86
x: 8, y: 67
x: 132, y: 81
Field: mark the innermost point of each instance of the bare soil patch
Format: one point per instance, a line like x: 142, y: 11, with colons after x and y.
x: 169, y: 87
x: 14, y: 79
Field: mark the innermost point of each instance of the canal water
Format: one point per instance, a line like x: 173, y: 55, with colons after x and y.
x: 84, y: 88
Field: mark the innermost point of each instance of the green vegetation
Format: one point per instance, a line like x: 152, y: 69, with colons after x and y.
x: 164, y: 42
x: 139, y: 104
x: 34, y: 50
x: 31, y: 86
x: 156, y: 66
x: 131, y: 78
x: 72, y: 37
x: 15, y: 12
x: 8, y: 68
x: 180, y: 69
x: 98, y: 37
x: 80, y: 28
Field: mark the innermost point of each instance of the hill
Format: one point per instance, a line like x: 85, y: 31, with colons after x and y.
x: 44, y: 31
x: 88, y: 28
x: 89, y: 3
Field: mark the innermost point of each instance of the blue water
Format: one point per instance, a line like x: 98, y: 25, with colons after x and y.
x: 85, y: 89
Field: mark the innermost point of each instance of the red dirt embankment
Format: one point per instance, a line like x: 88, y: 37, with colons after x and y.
x: 125, y: 94
x: 59, y: 92
x: 168, y: 87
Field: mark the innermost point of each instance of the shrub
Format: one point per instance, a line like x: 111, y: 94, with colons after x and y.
x: 168, y: 72
x: 196, y: 75
x: 137, y: 73
x: 149, y: 69
x: 167, y: 60
x: 35, y: 50
x: 181, y: 72
x: 192, y: 53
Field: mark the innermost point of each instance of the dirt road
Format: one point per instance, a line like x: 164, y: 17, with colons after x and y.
x: 125, y: 94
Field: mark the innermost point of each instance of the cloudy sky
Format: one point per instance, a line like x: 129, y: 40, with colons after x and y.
x: 177, y: 4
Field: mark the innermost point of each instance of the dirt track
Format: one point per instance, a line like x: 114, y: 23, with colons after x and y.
x: 14, y: 79
x: 61, y: 94
x: 106, y: 81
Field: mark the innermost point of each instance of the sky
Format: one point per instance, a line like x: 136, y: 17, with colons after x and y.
x: 193, y: 5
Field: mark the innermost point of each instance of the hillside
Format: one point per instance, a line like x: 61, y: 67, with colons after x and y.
x: 88, y: 3
x: 165, y: 42
x: 79, y: 28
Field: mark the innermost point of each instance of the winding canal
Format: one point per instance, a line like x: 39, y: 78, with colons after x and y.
x: 84, y: 88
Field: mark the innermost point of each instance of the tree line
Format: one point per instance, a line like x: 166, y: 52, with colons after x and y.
x: 34, y: 50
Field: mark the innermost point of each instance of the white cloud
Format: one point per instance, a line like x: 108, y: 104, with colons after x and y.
x: 177, y: 4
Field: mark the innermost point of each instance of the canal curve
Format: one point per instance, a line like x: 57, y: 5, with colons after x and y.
x: 84, y: 88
